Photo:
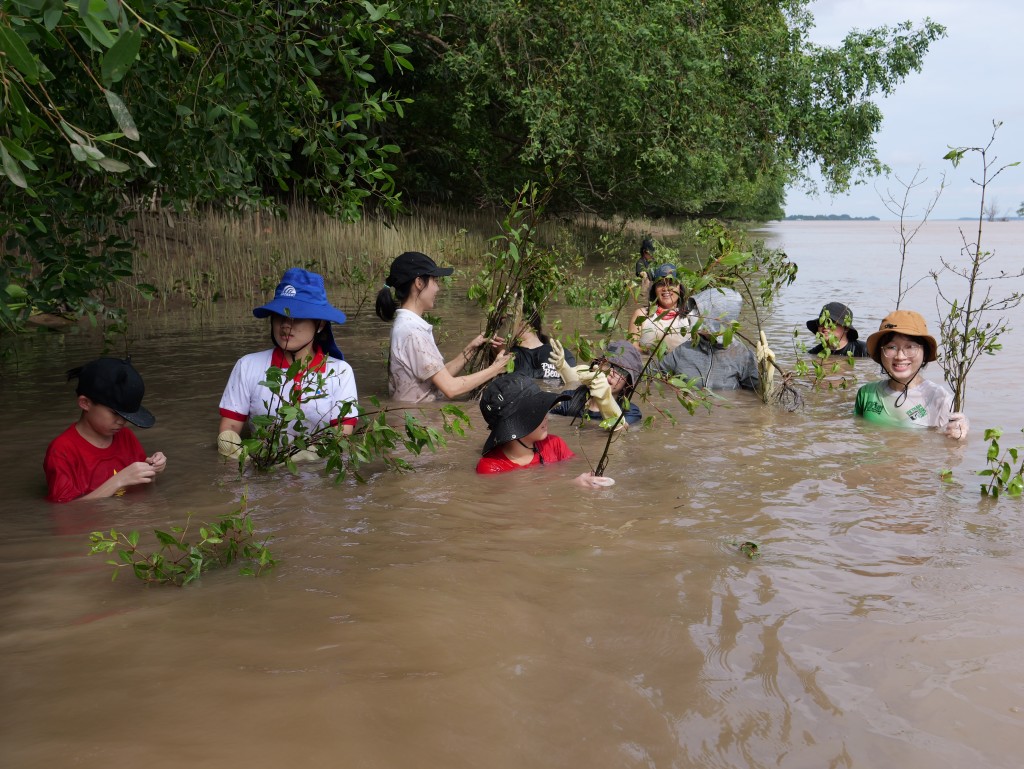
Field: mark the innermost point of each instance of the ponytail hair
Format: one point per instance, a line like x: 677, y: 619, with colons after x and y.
x: 385, y: 306
x: 387, y: 303
x: 535, y: 322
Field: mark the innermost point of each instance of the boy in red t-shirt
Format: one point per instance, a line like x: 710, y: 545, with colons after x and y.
x: 96, y: 457
x: 516, y: 411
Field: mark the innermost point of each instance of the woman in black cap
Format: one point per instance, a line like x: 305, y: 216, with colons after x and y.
x: 417, y: 372
x: 834, y: 326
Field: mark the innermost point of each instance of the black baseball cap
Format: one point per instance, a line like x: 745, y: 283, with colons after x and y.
x: 411, y: 265
x: 114, y: 383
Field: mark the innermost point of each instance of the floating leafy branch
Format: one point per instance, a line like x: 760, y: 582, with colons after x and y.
x: 1005, y: 471
x: 749, y: 548
x: 181, y: 558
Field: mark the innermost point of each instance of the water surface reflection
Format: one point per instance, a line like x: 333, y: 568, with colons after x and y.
x: 441, y: 619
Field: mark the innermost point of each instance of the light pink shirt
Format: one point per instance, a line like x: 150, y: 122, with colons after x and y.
x: 415, y: 359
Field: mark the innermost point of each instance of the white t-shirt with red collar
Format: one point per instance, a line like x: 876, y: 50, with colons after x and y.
x: 244, y: 396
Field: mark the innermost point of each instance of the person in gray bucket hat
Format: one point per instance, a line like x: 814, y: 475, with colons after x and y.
x: 604, y: 386
x: 834, y: 327
x: 714, y: 365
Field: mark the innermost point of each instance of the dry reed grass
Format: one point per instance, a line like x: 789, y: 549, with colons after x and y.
x: 204, y: 256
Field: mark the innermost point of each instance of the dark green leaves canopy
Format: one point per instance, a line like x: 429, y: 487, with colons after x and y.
x: 661, y: 107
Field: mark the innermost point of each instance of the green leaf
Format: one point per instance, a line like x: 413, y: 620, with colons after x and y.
x: 166, y: 539
x: 122, y: 115
x: 119, y: 59
x: 11, y: 168
x: 18, y: 55
x: 99, y: 31
x: 52, y: 17
x: 114, y: 166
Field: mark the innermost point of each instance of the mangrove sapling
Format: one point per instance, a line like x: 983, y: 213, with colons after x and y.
x: 824, y: 367
x: 181, y: 559
x: 283, y: 436
x: 1005, y: 471
x: 966, y: 330
x: 688, y: 393
x: 519, y: 275
x: 898, y: 207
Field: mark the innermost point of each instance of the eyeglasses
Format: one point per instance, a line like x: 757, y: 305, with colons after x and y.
x: 909, y: 351
x: 605, y: 366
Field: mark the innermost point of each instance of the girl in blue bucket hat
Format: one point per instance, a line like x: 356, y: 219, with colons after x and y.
x: 300, y: 329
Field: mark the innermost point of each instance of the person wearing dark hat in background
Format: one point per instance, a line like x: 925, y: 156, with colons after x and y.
x: 516, y: 412
x: 714, y: 365
x: 417, y: 372
x: 646, y: 261
x: 98, y: 456
x: 609, y: 382
x: 903, y: 347
x: 300, y: 330
x: 533, y: 352
x: 834, y: 327
x: 664, y: 320
x: 644, y: 265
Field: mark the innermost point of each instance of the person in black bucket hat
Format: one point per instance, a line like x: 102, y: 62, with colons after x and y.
x: 834, y: 326
x: 98, y: 456
x: 516, y: 411
x: 300, y: 330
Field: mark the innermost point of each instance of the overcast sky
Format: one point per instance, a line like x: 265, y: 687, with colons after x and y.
x: 971, y: 77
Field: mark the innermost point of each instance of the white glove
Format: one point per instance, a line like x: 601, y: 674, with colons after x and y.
x: 958, y: 426
x: 229, y: 444
x: 591, y: 481
x: 765, y: 360
x: 557, y: 359
x: 601, y: 394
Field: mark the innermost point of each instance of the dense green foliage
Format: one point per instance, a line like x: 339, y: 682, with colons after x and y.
x: 667, y: 106
x: 663, y: 107
x: 104, y: 104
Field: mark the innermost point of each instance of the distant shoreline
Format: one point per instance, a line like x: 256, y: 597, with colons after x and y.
x: 848, y: 218
x: 830, y: 218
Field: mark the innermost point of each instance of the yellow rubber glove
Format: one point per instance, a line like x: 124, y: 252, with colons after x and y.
x: 765, y: 360
x: 557, y: 359
x: 584, y: 374
x: 229, y: 444
x: 601, y: 394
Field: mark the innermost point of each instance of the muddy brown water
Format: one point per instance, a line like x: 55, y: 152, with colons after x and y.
x: 440, y: 619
